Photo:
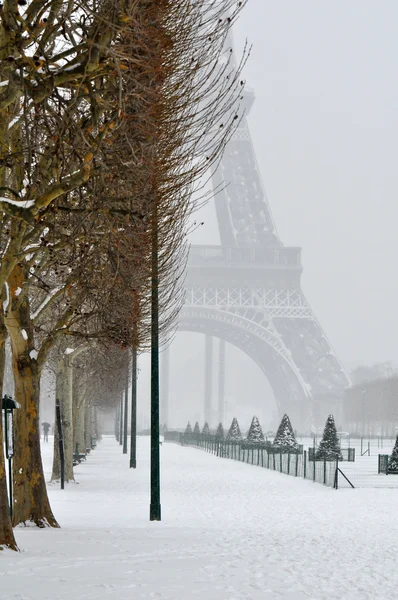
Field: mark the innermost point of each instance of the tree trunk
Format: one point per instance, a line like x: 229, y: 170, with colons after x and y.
x: 64, y: 393
x: 7, y: 539
x: 88, y: 431
x: 30, y: 493
x: 79, y: 410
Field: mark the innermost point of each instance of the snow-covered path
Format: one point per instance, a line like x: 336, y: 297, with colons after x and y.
x: 230, y: 531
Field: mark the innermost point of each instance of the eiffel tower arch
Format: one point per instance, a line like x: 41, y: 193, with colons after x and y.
x: 247, y: 292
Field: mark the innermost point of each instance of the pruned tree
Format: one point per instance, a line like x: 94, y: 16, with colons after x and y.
x: 220, y: 433
x: 392, y: 466
x: 255, y: 434
x: 196, y: 429
x: 188, y: 429
x: 285, y: 440
x: 206, y: 430
x: 234, y: 433
x: 329, y: 446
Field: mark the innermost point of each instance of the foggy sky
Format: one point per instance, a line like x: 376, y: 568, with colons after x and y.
x: 324, y: 127
x: 325, y: 130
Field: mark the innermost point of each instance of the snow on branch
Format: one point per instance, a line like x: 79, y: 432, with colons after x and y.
x: 47, y: 299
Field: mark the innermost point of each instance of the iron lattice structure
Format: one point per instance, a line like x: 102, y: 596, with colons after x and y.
x: 247, y: 291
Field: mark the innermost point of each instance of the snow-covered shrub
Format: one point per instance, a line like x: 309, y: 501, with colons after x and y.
x: 393, y: 459
x: 234, y: 434
x: 220, y: 433
x: 255, y: 435
x: 285, y: 440
x: 206, y: 429
x: 329, y: 446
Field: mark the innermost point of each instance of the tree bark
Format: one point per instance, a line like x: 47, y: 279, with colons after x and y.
x: 79, y: 409
x: 64, y: 393
x: 88, y: 431
x: 7, y: 539
x: 30, y: 493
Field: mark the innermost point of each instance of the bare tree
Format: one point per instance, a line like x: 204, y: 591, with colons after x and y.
x: 117, y: 107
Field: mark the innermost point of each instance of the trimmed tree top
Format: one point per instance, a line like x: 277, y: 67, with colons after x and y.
x: 255, y: 435
x: 285, y: 440
x: 234, y: 433
x: 196, y: 429
x: 329, y: 446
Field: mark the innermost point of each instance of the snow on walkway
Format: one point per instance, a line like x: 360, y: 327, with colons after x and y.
x: 230, y: 531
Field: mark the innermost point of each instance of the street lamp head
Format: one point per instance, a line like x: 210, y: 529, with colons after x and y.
x: 9, y: 403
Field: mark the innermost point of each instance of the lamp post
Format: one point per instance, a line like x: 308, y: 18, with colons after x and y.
x: 133, y: 431
x: 8, y: 406
x: 155, y: 507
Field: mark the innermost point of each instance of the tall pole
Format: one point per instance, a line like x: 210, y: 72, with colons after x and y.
x: 221, y: 381
x: 116, y: 423
x: 60, y: 442
x: 126, y: 410
x: 155, y: 509
x: 208, y: 377
x: 164, y: 379
x: 133, y: 432
x: 121, y: 421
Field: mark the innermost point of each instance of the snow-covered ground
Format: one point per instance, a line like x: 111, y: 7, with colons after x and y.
x: 230, y: 531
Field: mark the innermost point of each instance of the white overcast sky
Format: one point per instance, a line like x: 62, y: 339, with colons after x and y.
x: 325, y: 132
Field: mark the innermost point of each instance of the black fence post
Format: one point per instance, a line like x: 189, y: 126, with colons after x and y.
x: 336, y: 475
x: 324, y: 471
x: 305, y: 464
x: 60, y: 442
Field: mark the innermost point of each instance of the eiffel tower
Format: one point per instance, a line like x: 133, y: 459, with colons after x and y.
x: 247, y: 292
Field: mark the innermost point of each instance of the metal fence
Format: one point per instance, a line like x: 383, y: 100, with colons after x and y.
x: 295, y: 464
x: 367, y: 470
x: 364, y: 465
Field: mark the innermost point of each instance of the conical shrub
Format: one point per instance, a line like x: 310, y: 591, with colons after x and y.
x: 196, y: 429
x: 329, y: 446
x: 285, y: 440
x: 206, y: 429
x: 220, y: 433
x: 234, y: 434
x: 393, y: 459
x: 255, y: 435
x: 188, y: 429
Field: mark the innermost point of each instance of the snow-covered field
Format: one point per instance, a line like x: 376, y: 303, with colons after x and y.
x: 230, y: 531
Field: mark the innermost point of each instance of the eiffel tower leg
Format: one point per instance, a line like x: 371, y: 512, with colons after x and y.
x: 208, y: 377
x: 221, y: 381
x: 164, y: 379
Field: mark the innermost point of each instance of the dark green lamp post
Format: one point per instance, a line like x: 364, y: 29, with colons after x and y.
x: 155, y: 507
x: 8, y: 406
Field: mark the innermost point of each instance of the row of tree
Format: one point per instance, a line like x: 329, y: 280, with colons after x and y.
x: 111, y: 112
x: 284, y: 441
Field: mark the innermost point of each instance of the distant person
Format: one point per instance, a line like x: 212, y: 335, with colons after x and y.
x: 46, y: 426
